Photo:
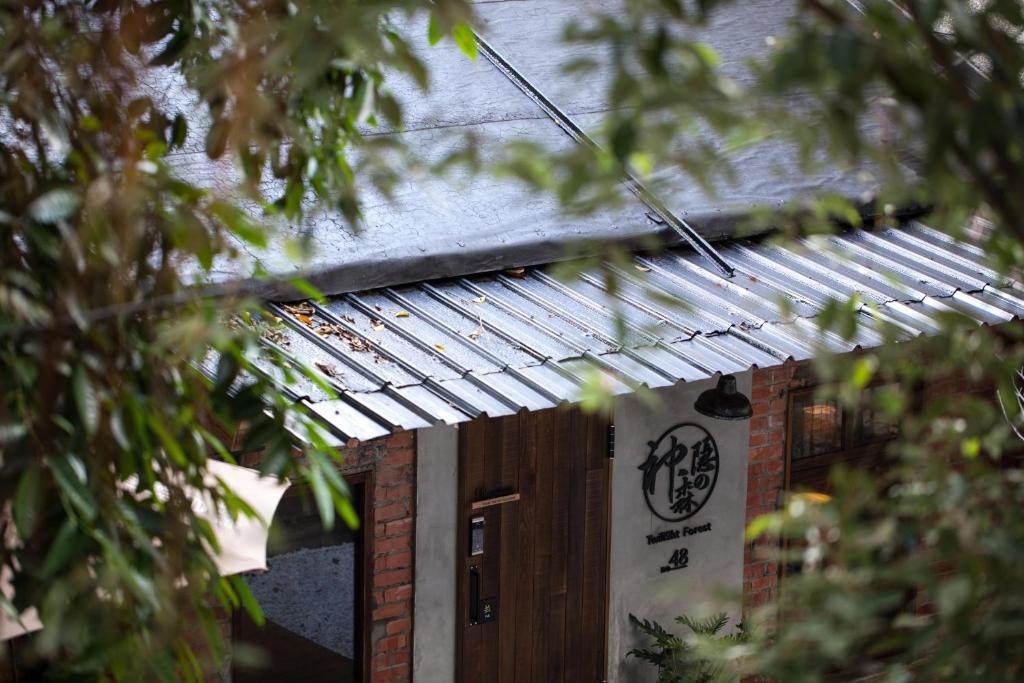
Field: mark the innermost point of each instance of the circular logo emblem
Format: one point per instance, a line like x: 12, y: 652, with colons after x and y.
x: 680, y: 472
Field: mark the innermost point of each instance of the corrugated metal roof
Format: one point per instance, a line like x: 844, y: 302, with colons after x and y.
x: 494, y: 344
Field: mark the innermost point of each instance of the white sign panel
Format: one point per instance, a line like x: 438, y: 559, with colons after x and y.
x: 679, y: 493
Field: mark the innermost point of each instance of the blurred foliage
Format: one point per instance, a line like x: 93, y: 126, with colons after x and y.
x: 113, y: 364
x: 116, y: 364
x: 920, y: 96
x: 912, y: 574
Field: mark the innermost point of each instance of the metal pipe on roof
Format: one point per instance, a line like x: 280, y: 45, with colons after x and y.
x: 565, y: 122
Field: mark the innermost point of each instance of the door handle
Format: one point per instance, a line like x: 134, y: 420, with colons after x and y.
x: 474, y: 595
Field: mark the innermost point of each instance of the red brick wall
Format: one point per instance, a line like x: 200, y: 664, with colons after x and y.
x: 766, y: 473
x: 392, y: 464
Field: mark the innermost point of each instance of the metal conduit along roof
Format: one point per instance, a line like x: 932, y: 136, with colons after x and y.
x: 493, y: 344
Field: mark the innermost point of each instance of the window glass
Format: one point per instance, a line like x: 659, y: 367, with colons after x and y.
x: 871, y: 425
x: 309, y: 596
x: 817, y: 426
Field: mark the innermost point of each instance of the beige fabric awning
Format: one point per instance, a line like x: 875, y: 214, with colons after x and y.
x: 243, y: 542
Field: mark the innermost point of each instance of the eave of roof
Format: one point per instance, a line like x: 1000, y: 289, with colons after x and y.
x: 493, y: 344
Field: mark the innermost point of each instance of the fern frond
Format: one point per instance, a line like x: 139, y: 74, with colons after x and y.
x: 705, y: 627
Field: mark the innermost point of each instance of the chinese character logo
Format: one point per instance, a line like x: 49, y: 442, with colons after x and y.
x: 680, y: 472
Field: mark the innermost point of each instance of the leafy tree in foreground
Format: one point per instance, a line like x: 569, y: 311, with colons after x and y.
x: 102, y: 330
x: 114, y: 364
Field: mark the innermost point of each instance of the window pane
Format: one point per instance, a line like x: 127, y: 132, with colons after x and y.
x: 871, y: 425
x: 817, y: 427
x: 308, y: 596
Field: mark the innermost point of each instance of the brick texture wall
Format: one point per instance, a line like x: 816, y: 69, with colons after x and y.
x: 766, y: 474
x: 391, y: 463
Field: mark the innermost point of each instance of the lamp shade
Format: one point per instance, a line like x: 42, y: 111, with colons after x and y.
x: 724, y: 402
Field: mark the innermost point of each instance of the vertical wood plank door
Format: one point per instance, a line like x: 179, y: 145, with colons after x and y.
x: 533, y: 605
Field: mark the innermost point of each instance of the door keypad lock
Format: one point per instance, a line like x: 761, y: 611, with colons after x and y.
x: 476, y: 536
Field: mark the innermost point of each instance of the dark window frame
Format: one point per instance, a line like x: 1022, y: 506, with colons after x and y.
x: 812, y: 471
x: 363, y: 576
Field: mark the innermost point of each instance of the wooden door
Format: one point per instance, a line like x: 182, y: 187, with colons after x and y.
x: 532, y: 603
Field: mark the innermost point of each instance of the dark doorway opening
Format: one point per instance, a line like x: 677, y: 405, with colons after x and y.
x: 313, y: 597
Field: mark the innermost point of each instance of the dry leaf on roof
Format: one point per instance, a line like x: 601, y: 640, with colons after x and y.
x: 475, y: 334
x: 402, y: 314
x: 276, y: 337
x: 329, y: 370
x: 377, y: 325
x: 301, y: 308
x: 516, y: 272
x: 642, y: 269
x: 439, y: 347
x: 349, y: 319
x: 354, y: 342
x: 480, y: 299
x: 305, y: 319
x: 377, y: 307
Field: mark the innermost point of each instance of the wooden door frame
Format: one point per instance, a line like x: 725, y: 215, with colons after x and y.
x: 463, y: 514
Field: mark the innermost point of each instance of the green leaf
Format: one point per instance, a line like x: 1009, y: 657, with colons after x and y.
x: 952, y: 595
x: 28, y: 499
x: 237, y: 221
x: 227, y: 371
x: 179, y: 131
x: 435, y: 33
x: 292, y: 200
x: 169, y: 442
x: 306, y: 288
x: 217, y: 139
x: 252, y: 606
x: 771, y: 522
x: 85, y: 400
x: 69, y: 471
x: 65, y: 546
x: 707, y: 54
x: 53, y: 206
x: 364, y: 101
x: 465, y: 39
x: 863, y: 371
x: 348, y: 511
x: 322, y: 496
x: 173, y: 49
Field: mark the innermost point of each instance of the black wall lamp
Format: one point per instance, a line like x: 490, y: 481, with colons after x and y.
x: 724, y: 402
